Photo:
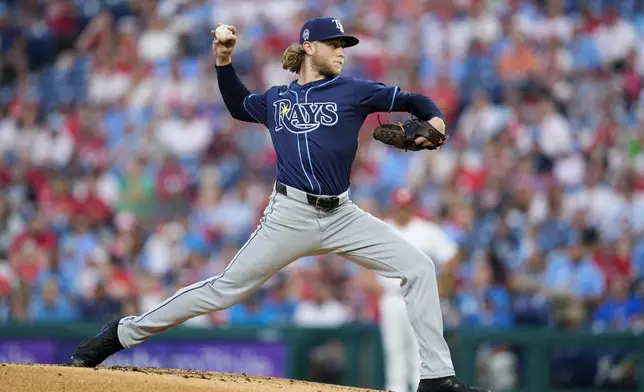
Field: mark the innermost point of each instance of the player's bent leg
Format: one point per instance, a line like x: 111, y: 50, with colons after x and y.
x: 286, y: 232
x: 366, y: 240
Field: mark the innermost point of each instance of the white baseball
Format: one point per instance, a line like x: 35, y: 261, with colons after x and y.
x: 223, y: 33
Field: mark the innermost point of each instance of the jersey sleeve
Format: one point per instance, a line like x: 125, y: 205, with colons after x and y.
x: 239, y: 101
x: 255, y: 106
x: 374, y: 96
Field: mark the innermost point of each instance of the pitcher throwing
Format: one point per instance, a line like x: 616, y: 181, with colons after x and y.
x: 314, y: 124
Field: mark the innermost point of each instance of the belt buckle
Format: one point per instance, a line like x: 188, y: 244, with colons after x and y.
x: 318, y: 205
x: 324, y: 203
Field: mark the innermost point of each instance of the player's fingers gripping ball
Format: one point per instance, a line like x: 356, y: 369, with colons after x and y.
x: 404, y: 135
x: 223, y: 33
x: 224, y: 40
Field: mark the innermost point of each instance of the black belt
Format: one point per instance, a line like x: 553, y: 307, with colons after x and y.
x: 323, y: 203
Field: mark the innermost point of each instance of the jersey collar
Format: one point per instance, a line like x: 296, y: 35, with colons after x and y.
x: 297, y: 87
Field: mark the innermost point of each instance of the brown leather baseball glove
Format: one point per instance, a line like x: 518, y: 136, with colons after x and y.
x: 403, y: 135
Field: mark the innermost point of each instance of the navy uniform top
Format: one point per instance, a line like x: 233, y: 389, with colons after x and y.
x: 314, y: 128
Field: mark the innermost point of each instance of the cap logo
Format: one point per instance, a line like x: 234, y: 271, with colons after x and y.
x: 305, y: 34
x: 338, y: 25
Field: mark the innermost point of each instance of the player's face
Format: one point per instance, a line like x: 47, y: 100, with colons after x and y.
x: 328, y: 57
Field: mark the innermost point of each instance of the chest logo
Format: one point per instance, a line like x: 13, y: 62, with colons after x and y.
x: 304, y: 117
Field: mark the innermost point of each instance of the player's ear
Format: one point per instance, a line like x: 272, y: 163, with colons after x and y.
x: 308, y: 47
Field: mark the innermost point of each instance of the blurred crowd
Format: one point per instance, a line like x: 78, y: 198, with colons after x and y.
x: 123, y: 177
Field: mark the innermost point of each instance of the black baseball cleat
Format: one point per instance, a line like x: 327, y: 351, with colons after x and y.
x: 447, y: 384
x: 93, y: 351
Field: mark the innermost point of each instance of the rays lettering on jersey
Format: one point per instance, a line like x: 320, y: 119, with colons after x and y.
x: 304, y: 117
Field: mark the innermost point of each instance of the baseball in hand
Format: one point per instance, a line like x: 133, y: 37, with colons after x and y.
x: 223, y: 33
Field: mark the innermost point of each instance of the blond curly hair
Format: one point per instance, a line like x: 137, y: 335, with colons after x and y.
x: 293, y: 58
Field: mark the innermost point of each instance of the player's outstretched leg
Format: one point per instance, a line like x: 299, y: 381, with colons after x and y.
x: 368, y: 241
x: 287, y: 231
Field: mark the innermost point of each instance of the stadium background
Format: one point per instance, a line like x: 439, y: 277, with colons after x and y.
x: 123, y: 178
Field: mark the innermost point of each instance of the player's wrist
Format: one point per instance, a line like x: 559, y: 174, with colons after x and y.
x: 222, y: 61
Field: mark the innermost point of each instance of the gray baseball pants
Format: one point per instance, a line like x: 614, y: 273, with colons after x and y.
x: 291, y: 228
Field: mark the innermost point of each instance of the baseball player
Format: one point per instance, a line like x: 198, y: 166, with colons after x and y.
x: 399, y: 343
x: 313, y: 123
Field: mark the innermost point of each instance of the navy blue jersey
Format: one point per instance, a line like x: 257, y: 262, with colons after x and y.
x: 314, y: 128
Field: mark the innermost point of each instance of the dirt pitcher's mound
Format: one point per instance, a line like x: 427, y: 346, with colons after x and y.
x: 50, y: 378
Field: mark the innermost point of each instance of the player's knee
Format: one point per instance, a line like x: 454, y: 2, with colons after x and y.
x: 423, y: 268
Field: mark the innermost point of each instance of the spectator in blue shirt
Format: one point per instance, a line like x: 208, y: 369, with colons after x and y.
x: 485, y: 301
x: 101, y: 307
x: 505, y: 245
x: 621, y: 308
x: 280, y: 302
x: 530, y: 305
x: 573, y: 275
x: 9, y: 32
x: 480, y: 71
x: 554, y: 232
x: 54, y: 271
x: 637, y: 258
x: 585, y: 53
x: 638, y: 305
x: 50, y: 306
x: 77, y: 245
x: 251, y: 313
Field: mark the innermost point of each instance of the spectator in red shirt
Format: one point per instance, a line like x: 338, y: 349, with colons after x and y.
x: 5, y: 176
x: 446, y: 96
x: 28, y: 260
x: 631, y: 81
x: 91, y: 205
x: 470, y: 174
x: 37, y: 232
x: 98, y: 34
x: 57, y: 203
x: 61, y: 18
x: 92, y: 151
x: 588, y: 20
x: 614, y: 258
x: 173, y: 188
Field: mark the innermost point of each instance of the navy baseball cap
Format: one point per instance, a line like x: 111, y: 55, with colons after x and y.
x: 322, y: 29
